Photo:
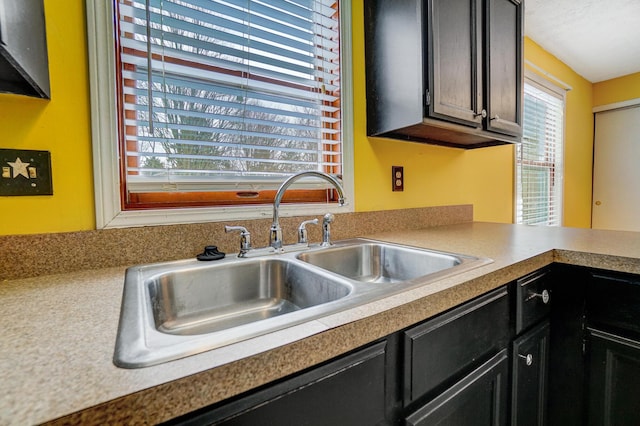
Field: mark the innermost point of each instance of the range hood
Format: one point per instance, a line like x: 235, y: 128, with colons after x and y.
x: 24, y: 65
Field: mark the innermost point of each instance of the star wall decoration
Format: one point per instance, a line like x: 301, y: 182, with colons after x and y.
x: 19, y: 168
x: 25, y: 172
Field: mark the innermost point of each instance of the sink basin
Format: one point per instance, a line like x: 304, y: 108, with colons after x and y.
x: 205, y: 300
x: 376, y: 262
x: 175, y: 309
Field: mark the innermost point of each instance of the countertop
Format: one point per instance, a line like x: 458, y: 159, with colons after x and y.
x: 59, y: 331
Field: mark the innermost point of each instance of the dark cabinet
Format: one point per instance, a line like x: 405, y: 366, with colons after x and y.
x: 533, y: 299
x: 456, y: 366
x: 503, y: 56
x: 480, y: 398
x: 529, y: 377
x: 530, y: 349
x: 566, y: 354
x: 614, y: 379
x: 24, y: 65
x: 440, y: 351
x: 612, y: 346
x: 613, y: 303
x: 349, y: 390
x: 454, y: 61
x: 595, y: 348
x: 447, y: 72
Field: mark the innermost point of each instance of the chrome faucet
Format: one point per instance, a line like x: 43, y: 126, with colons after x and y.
x: 275, y: 235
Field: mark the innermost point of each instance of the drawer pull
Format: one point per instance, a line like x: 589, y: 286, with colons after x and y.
x: 528, y: 358
x: 544, y: 296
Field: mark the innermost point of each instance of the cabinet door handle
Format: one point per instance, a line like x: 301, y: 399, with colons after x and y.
x: 544, y: 296
x: 482, y: 113
x: 528, y: 358
x: 495, y: 117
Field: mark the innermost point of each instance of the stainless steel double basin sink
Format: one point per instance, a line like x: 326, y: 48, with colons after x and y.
x: 175, y: 309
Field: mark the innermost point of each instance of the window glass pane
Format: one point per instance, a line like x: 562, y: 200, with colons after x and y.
x: 215, y: 92
x: 540, y: 158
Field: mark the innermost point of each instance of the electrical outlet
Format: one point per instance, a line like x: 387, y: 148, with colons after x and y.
x: 397, y: 178
x: 25, y: 172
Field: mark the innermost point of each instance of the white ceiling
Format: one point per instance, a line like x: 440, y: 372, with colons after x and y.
x: 598, y: 39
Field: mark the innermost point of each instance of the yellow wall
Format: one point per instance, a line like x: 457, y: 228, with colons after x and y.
x: 60, y: 126
x: 434, y: 175
x: 617, y: 90
x: 578, y: 153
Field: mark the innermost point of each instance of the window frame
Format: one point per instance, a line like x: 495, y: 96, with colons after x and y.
x: 105, y: 125
x: 558, y: 89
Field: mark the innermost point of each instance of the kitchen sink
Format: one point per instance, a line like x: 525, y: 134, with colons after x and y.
x: 206, y: 300
x: 175, y: 309
x: 376, y: 262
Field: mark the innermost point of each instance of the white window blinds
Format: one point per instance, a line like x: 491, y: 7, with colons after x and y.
x: 228, y: 91
x: 539, y: 157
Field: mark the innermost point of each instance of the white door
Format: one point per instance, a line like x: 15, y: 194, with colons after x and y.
x: 616, y: 170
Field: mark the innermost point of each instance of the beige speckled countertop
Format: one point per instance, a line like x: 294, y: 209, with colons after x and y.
x: 58, y: 331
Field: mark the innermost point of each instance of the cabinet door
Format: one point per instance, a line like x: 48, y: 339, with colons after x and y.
x: 477, y: 400
x: 455, y: 61
x: 349, y: 390
x: 503, y: 53
x: 529, y: 383
x: 394, y: 64
x: 614, y: 380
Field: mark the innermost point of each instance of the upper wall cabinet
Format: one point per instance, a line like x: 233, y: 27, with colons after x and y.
x: 447, y: 72
x: 24, y: 66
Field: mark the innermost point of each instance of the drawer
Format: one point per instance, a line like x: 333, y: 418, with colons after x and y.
x: 533, y: 299
x: 613, y: 302
x: 441, y: 350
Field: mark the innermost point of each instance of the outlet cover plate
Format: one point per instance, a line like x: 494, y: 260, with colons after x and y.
x: 397, y: 178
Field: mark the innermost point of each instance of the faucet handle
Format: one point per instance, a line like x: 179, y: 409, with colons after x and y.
x: 302, y: 230
x: 245, y: 238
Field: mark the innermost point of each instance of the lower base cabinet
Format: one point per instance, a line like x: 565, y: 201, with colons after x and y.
x: 442, y: 350
x: 456, y: 365
x: 529, y: 377
x: 478, y: 399
x: 595, y: 348
x: 612, y: 349
x: 347, y: 391
x: 614, y: 380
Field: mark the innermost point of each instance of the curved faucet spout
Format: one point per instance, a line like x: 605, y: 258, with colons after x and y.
x: 275, y: 237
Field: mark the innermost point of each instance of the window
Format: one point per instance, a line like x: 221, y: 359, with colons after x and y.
x: 215, y: 103
x: 539, y: 158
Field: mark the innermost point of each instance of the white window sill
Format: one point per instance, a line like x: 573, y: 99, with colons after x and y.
x: 218, y: 214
